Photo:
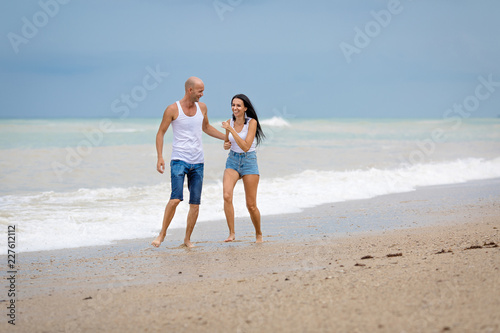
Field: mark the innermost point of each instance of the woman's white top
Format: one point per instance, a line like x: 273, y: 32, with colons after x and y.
x: 243, y: 134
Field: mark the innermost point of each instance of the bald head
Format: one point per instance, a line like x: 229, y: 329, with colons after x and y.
x: 192, y: 82
x: 194, y: 89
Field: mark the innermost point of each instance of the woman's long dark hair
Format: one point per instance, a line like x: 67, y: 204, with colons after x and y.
x: 250, y: 113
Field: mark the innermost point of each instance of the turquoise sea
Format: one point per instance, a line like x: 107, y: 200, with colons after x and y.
x: 79, y: 182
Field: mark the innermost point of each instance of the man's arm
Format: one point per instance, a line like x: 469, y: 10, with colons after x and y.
x: 207, y: 128
x: 169, y: 115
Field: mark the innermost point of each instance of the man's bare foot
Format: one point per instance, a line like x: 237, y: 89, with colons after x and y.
x: 258, y: 239
x: 231, y: 238
x: 158, y: 240
x: 188, y: 244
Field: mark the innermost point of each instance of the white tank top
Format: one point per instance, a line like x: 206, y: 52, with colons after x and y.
x: 243, y: 134
x: 187, y: 145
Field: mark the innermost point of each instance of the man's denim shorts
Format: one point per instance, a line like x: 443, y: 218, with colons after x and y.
x: 194, y: 172
x: 244, y: 163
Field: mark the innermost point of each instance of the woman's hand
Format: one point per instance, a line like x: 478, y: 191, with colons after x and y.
x: 226, y: 125
x: 227, y: 145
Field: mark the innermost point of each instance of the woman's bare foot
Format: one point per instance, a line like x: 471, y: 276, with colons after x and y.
x: 188, y: 244
x: 231, y: 238
x: 258, y: 239
x: 158, y: 241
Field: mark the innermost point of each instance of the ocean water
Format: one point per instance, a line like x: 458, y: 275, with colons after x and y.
x: 72, y: 183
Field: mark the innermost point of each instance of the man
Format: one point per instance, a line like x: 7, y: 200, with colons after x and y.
x: 188, y: 118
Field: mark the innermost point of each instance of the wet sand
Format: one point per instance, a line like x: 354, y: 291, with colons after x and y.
x: 423, y: 261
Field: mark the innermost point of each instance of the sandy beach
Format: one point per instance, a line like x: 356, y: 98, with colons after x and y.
x: 422, y: 261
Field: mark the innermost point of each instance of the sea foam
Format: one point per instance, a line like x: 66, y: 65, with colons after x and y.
x: 275, y: 122
x: 85, y: 217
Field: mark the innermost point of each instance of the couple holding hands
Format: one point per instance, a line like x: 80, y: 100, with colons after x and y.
x: 189, y: 119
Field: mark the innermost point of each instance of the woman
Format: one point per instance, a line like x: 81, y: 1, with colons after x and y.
x: 243, y: 134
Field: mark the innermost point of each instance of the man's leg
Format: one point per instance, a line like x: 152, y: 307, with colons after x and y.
x: 191, y: 222
x: 177, y: 171
x: 195, y: 185
x: 167, y: 218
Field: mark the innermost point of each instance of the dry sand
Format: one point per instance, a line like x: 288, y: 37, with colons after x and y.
x: 424, y: 261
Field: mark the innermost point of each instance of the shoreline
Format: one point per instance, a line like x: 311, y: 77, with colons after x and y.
x: 362, y: 215
x: 308, y: 275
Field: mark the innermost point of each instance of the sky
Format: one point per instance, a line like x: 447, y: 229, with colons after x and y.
x: 293, y: 59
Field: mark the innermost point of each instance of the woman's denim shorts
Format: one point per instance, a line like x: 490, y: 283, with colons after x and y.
x: 243, y: 163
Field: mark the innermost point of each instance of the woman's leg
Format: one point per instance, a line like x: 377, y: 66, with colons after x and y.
x: 251, y: 182
x: 229, y: 181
